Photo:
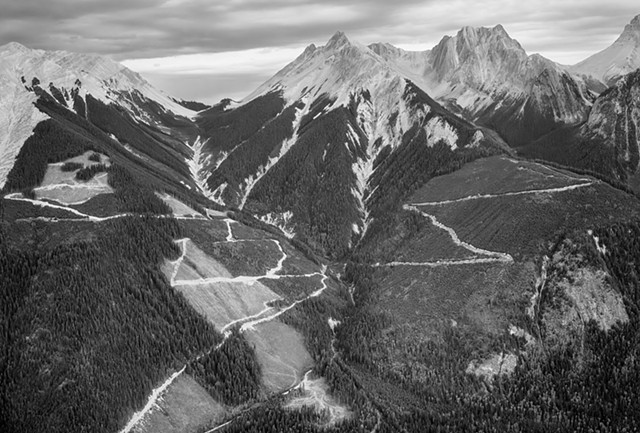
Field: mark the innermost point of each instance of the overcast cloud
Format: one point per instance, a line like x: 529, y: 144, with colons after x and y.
x: 208, y: 49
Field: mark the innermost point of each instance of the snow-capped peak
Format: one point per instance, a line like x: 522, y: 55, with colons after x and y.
x: 100, y: 76
x: 337, y: 41
x: 336, y: 69
x: 631, y: 32
x: 14, y: 47
x: 620, y: 58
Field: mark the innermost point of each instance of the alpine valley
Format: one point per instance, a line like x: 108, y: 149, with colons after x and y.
x: 374, y: 240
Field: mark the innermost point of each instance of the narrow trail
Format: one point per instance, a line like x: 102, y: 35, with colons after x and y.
x: 83, y: 216
x: 41, y: 203
x: 490, y: 256
x: 266, y: 309
x: 505, y: 194
x: 220, y: 426
x: 440, y: 263
x: 456, y: 240
x: 151, y: 402
x: 251, y: 324
x: 271, y: 274
x: 247, y: 323
x: 247, y: 279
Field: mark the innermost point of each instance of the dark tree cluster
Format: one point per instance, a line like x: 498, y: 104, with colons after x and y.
x: 87, y: 173
x: 230, y: 374
x: 71, y: 166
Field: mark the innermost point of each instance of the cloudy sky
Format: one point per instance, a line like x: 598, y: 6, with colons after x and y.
x: 210, y: 49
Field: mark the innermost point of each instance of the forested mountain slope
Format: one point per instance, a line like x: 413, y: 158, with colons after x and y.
x: 316, y: 141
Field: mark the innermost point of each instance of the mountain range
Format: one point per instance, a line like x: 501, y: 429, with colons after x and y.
x: 372, y: 240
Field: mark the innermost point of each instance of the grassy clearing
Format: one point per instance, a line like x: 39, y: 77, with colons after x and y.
x: 220, y: 303
x: 223, y: 303
x: 281, y: 353
x: 63, y: 187
x: 185, y: 407
x: 493, y: 175
x: 76, y: 193
x: 197, y: 264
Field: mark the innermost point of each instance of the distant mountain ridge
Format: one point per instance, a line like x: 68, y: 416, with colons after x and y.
x: 615, y: 61
x: 486, y: 76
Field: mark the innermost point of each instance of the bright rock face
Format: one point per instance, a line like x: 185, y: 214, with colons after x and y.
x: 615, y: 61
x: 487, y: 76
